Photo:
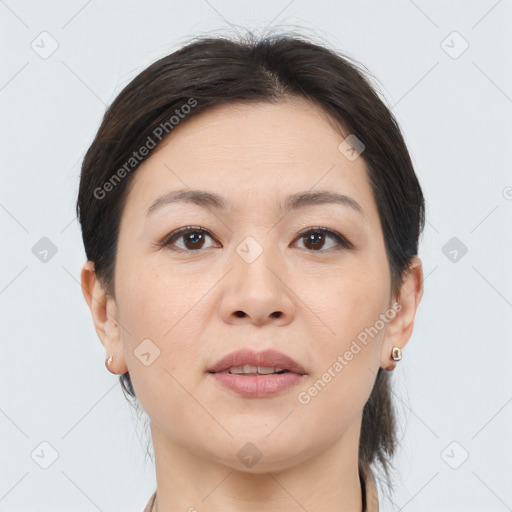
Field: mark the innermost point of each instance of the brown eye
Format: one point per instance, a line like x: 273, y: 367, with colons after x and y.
x: 315, y: 239
x: 193, y: 239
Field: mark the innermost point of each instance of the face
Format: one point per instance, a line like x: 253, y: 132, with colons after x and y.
x: 306, y: 278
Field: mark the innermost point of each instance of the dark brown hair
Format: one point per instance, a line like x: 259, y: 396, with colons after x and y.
x: 211, y: 71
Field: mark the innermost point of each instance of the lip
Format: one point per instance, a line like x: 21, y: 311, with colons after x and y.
x: 260, y: 386
x: 268, y: 357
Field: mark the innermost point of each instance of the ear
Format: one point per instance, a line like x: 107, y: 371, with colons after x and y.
x: 105, y: 317
x: 399, y: 329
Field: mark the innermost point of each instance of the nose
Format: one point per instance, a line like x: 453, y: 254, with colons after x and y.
x: 257, y: 292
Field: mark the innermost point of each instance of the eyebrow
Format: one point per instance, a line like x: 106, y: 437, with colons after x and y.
x: 292, y: 202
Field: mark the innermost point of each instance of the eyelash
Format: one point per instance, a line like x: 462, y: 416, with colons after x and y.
x: 175, y: 235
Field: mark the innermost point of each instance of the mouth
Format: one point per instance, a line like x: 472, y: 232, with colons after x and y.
x: 257, y: 374
x: 249, y: 369
x: 248, y: 362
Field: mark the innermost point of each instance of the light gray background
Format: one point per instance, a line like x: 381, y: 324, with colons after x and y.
x: 455, y: 109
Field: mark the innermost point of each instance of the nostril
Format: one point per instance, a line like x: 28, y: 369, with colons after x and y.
x: 275, y: 314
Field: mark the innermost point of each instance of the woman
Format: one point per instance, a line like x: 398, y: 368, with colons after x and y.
x: 250, y: 216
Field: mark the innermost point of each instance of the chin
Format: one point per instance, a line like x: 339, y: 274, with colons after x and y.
x: 255, y: 454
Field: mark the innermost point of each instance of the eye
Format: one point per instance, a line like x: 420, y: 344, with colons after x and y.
x: 193, y: 238
x: 315, y: 239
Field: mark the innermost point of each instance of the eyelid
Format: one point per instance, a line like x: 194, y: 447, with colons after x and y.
x: 174, y: 235
x: 342, y: 240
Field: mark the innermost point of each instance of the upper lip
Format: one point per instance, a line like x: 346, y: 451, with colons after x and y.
x: 267, y: 358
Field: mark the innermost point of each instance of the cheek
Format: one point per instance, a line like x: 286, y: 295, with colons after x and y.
x: 161, y: 313
x: 164, y: 307
x: 350, y: 302
x: 352, y: 298
x: 347, y: 353
x: 155, y: 299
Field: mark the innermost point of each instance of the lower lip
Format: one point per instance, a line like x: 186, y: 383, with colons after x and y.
x: 258, y: 386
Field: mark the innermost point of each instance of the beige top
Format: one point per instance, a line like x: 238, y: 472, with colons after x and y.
x: 368, y: 486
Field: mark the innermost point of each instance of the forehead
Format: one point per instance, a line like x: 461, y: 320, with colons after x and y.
x: 257, y: 151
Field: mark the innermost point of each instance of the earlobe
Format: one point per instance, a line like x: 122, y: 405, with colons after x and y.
x: 399, y: 329
x: 104, y: 315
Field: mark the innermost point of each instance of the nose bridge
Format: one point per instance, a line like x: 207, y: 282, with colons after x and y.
x: 254, y: 287
x: 254, y: 256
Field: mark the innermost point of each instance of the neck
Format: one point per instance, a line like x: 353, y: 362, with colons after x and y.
x: 325, y: 481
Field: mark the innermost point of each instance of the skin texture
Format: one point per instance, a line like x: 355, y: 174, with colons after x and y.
x: 186, y: 303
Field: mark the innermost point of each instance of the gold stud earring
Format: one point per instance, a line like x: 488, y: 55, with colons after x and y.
x: 396, y: 354
x: 108, y: 362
